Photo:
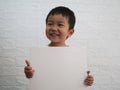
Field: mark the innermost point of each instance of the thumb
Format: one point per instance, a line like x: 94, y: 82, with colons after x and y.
x: 27, y: 62
x: 88, y: 73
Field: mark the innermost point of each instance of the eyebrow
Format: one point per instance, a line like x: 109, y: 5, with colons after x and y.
x: 49, y: 21
x: 58, y: 21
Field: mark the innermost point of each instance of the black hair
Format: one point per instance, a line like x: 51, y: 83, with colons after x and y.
x: 65, y: 12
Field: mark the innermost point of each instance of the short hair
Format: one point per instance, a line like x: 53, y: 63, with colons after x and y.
x: 66, y: 12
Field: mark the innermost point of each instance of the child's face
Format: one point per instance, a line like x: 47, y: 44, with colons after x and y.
x: 57, y: 30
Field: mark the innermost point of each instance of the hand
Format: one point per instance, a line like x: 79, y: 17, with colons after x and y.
x: 29, y: 72
x: 89, y: 79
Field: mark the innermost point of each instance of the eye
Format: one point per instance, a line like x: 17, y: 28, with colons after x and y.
x: 49, y: 24
x: 60, y: 25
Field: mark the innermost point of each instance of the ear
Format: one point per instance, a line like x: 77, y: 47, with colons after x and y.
x: 70, y: 33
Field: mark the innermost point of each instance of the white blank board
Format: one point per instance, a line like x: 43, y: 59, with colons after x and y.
x: 58, y: 68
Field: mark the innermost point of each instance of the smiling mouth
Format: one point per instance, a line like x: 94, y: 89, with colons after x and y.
x: 54, y: 34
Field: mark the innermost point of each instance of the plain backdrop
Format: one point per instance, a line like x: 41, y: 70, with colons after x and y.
x: 22, y: 25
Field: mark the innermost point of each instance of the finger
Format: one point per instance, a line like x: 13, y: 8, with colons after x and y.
x: 29, y: 74
x: 27, y: 62
x: 28, y: 68
x: 88, y: 83
x: 89, y: 80
x: 29, y: 71
x: 90, y: 76
x: 88, y: 72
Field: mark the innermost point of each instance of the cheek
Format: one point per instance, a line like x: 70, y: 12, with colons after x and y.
x: 64, y: 35
x: 47, y: 29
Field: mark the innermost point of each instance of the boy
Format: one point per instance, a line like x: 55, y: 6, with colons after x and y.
x: 59, y: 27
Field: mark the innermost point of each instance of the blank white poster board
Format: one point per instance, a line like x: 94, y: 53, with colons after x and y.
x: 58, y: 68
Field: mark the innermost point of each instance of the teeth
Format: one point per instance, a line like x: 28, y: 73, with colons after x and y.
x: 53, y: 34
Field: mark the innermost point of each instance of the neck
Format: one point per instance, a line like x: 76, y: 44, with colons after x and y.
x: 54, y: 44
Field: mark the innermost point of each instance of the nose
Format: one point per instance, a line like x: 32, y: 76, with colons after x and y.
x: 54, y: 28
